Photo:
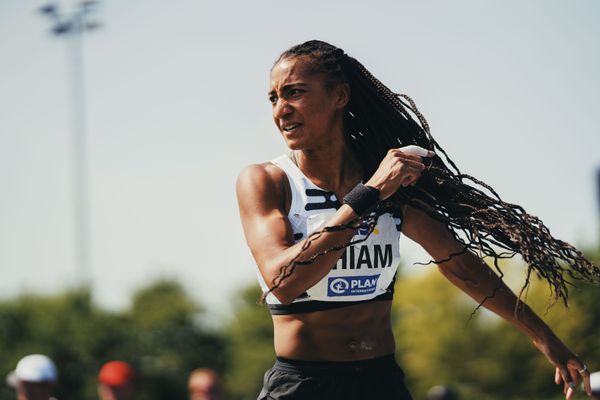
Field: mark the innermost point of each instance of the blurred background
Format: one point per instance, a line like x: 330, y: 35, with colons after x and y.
x: 123, y: 126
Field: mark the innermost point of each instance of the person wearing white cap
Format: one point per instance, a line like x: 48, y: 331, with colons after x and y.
x: 34, y: 378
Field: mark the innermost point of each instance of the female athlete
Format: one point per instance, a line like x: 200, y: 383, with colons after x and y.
x: 323, y: 225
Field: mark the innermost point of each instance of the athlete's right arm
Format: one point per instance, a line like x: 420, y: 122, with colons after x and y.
x: 261, y: 193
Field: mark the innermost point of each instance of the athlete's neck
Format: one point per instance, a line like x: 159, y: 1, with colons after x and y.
x: 331, y: 167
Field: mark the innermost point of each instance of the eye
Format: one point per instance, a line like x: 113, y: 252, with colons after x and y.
x: 272, y: 99
x: 295, y: 92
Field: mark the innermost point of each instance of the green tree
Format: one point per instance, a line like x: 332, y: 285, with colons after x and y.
x: 67, y: 327
x: 250, y: 350
x: 167, y: 342
x: 160, y: 336
x: 484, y: 357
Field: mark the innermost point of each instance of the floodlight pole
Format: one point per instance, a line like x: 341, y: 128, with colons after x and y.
x: 72, y: 26
x: 598, y: 200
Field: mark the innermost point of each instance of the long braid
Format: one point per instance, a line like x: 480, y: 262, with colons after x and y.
x: 377, y: 120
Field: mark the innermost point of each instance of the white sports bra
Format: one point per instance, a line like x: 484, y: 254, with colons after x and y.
x: 366, y: 270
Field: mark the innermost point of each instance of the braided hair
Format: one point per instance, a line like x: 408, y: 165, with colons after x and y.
x: 376, y: 120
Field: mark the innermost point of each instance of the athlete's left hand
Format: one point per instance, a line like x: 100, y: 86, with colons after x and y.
x: 569, y: 368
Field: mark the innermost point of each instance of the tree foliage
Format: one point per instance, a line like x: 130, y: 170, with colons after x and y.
x: 484, y: 357
x: 158, y: 336
x: 250, y: 338
x: 163, y: 338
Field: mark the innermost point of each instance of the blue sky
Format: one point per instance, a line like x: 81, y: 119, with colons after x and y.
x: 177, y: 105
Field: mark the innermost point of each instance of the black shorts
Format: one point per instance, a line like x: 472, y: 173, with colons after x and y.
x: 378, y: 379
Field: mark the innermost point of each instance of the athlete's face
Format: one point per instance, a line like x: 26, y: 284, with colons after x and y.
x: 305, y: 111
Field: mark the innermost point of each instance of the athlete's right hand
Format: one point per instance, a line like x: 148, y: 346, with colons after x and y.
x: 400, y: 167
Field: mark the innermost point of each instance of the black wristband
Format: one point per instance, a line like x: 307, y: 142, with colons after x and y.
x: 361, y: 198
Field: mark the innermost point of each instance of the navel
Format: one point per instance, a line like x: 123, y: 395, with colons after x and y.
x: 361, y: 344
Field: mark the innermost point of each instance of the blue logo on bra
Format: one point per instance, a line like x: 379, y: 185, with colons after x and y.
x: 351, y: 285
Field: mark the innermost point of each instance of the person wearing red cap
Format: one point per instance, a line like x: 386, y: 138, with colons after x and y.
x: 115, y: 381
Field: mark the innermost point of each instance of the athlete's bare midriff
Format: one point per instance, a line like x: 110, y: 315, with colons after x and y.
x: 357, y: 332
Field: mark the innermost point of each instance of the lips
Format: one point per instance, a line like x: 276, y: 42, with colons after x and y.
x: 290, y: 127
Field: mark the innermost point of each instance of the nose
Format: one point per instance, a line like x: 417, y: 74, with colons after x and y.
x: 281, y: 108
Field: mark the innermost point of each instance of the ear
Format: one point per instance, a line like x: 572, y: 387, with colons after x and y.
x: 342, y: 95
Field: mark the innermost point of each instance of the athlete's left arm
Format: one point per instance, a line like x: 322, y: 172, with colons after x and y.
x: 472, y: 275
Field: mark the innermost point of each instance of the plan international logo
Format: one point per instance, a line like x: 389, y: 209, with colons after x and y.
x: 352, y: 285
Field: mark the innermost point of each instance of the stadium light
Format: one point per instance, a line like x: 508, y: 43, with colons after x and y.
x: 72, y: 25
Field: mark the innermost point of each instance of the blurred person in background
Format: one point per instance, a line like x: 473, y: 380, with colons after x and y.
x: 115, y: 381
x: 34, y: 378
x: 204, y: 384
x: 595, y: 384
x: 441, y: 392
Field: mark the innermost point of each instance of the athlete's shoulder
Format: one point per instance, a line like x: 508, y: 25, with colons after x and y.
x: 261, y: 174
x: 264, y: 179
